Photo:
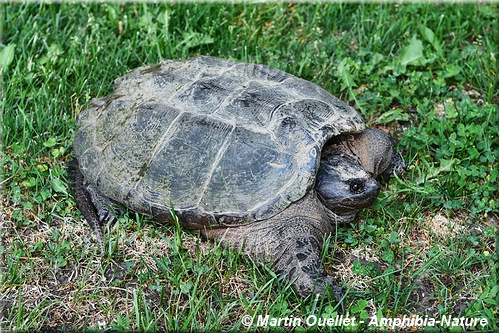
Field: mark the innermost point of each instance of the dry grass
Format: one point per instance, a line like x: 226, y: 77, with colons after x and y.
x: 92, y: 291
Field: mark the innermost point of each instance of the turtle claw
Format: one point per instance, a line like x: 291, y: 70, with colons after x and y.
x: 104, y: 207
x: 108, y: 214
x: 324, y: 284
x: 103, y: 214
x: 337, y: 291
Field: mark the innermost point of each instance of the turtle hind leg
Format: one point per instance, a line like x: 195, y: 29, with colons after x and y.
x: 105, y: 208
x: 94, y: 206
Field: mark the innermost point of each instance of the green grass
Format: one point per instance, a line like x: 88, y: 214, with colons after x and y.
x: 426, y: 72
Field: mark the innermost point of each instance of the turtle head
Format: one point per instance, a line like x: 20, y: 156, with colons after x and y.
x: 344, y: 187
x: 375, y: 152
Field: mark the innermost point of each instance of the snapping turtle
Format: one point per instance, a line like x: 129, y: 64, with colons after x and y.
x: 250, y: 155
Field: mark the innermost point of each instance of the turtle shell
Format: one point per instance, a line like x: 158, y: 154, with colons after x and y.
x: 222, y: 142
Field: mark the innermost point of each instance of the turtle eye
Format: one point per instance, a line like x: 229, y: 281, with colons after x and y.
x: 356, y: 186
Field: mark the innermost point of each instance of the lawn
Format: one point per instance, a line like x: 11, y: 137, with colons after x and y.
x: 426, y: 250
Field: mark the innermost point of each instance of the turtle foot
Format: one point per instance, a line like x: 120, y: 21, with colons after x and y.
x: 107, y: 211
x: 303, y: 265
x: 95, y: 207
x: 291, y: 246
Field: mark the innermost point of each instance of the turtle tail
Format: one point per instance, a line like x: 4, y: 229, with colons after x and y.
x: 84, y: 200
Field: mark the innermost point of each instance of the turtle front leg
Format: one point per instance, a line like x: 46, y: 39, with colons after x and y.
x: 95, y: 207
x: 292, y: 247
x: 303, y: 265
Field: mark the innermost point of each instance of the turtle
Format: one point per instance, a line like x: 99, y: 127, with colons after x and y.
x: 255, y: 158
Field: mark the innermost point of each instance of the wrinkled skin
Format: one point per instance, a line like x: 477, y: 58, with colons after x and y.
x: 374, y: 151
